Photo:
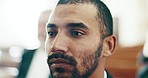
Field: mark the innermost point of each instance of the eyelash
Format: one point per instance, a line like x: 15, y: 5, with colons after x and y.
x: 73, y: 33
x: 52, y: 34
x: 76, y: 33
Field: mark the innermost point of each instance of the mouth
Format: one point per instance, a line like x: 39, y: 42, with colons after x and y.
x: 60, y: 65
x: 58, y: 61
x: 61, y: 59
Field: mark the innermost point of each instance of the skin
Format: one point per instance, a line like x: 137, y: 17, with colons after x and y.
x: 73, y: 30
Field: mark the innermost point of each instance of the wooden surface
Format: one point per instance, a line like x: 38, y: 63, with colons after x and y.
x: 123, y: 62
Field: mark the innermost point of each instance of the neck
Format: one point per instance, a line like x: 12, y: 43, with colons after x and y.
x: 99, y: 72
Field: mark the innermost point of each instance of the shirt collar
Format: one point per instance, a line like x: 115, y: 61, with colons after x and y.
x: 105, y: 74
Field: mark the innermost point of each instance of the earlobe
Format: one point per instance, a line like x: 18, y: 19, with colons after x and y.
x: 109, y: 45
x: 107, y: 53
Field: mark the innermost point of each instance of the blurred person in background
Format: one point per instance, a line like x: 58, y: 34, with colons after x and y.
x: 33, y: 64
x: 79, y: 38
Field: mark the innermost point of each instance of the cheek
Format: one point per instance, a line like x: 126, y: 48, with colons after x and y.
x: 85, y: 62
x: 84, y: 49
x: 84, y: 54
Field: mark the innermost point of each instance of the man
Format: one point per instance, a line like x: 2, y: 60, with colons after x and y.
x: 79, y: 38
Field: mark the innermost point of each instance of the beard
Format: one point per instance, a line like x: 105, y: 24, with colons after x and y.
x: 72, y: 73
x: 88, y: 63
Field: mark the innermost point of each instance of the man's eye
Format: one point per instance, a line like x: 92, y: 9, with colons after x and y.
x: 52, y: 33
x: 77, y: 33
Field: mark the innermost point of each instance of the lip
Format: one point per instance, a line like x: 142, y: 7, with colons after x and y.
x: 58, y: 61
x: 60, y: 65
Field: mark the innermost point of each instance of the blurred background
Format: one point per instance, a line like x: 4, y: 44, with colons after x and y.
x: 19, y: 24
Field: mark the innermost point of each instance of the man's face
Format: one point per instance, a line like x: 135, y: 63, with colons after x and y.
x: 74, y: 41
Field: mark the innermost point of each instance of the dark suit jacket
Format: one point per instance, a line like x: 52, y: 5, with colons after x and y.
x: 108, y: 75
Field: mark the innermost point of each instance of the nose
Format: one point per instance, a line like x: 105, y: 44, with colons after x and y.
x: 60, y: 43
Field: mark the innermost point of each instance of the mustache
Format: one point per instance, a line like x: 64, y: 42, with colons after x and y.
x: 67, y: 58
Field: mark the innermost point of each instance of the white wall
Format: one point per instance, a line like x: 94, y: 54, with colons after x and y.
x: 18, y: 22
x: 133, y: 17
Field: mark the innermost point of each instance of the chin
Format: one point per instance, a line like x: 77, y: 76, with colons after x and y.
x: 61, y: 75
x: 61, y: 71
x: 70, y: 72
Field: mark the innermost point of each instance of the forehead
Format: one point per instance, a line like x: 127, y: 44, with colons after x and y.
x: 79, y: 11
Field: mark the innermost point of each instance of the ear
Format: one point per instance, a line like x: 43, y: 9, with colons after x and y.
x: 109, y: 45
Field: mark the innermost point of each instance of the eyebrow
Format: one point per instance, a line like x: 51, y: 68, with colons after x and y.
x: 51, y: 25
x: 77, y: 25
x: 69, y: 25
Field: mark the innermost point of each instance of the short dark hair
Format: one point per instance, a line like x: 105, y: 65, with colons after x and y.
x: 103, y: 13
